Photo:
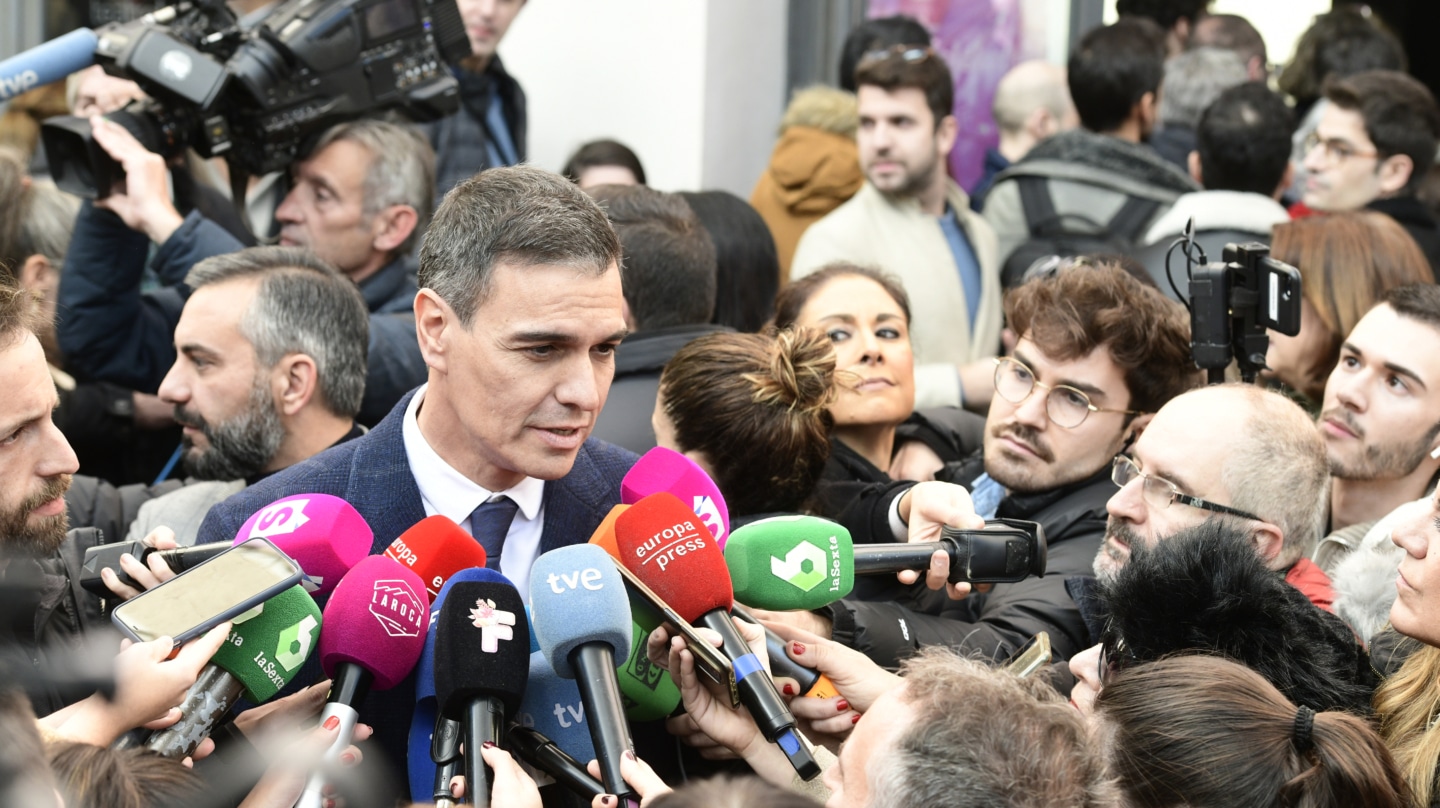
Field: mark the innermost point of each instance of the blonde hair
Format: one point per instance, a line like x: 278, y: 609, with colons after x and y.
x: 1407, y: 704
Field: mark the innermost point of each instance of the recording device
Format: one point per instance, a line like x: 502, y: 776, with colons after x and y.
x: 264, y: 651
x: 434, y: 751
x: 1005, y: 551
x: 482, y: 661
x: 1233, y: 303
x: 534, y: 748
x: 668, y: 547
x: 375, y: 625
x: 325, y: 534
x: 255, y: 96
x: 582, y: 621
x: 662, y: 469
x: 201, y: 598
x: 106, y: 556
x: 1030, y: 657
x: 435, y: 548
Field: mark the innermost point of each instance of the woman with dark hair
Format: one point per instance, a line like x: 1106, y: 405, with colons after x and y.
x: 604, y: 162
x: 1203, y: 732
x: 747, y: 269
x: 1347, y: 262
x: 100, y: 777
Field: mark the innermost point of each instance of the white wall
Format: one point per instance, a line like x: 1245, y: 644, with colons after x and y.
x: 1280, y: 22
x: 695, y: 87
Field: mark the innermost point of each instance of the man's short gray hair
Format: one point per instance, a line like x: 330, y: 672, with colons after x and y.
x: 1194, y: 79
x: 518, y: 215
x: 956, y: 753
x: 402, y: 168
x: 1279, y: 471
x: 1027, y: 87
x: 303, y: 306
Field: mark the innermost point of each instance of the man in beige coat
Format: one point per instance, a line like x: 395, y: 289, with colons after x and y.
x: 912, y: 220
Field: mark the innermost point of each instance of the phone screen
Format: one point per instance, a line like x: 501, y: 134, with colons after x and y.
x: 220, y: 588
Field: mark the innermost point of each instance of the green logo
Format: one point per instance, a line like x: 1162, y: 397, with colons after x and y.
x: 796, y: 571
x: 294, y: 645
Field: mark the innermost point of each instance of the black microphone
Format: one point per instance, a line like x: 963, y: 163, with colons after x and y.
x: 1005, y: 551
x: 482, y: 661
x: 539, y: 751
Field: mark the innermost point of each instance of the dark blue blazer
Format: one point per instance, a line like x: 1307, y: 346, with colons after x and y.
x: 372, y: 473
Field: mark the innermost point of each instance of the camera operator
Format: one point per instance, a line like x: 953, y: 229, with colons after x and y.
x: 359, y: 201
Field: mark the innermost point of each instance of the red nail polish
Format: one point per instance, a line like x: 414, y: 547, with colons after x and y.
x: 630, y: 753
x: 797, y: 648
x: 789, y: 690
x: 606, y: 799
x: 855, y: 719
x: 347, y: 758
x: 488, y: 744
x: 332, y: 722
x: 841, y: 706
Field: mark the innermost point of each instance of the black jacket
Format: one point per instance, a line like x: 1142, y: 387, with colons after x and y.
x: 1417, y: 220
x: 997, y: 623
x: 625, y: 421
x: 109, y: 330
x: 459, y: 140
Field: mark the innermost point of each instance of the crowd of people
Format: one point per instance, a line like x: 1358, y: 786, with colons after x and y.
x: 1236, y: 605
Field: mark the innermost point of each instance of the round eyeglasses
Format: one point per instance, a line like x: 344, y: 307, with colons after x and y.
x: 1066, y: 406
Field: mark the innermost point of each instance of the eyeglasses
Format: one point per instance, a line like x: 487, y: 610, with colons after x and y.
x: 1160, y: 492
x: 1066, y: 406
x: 905, y: 53
x: 1336, y: 151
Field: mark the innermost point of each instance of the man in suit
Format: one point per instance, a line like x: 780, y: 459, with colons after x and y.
x: 518, y: 316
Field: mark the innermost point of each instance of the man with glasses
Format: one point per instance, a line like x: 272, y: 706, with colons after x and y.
x: 1372, y: 148
x: 1098, y: 352
x: 1235, y: 452
x: 913, y: 221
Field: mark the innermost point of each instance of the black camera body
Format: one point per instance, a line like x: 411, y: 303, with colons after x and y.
x: 1234, y: 302
x: 257, y: 96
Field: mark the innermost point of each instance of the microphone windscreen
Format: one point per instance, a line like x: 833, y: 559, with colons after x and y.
x: 325, y: 535
x: 604, y: 535
x: 530, y: 621
x: 553, y: 707
x: 480, y: 647
x: 791, y: 562
x: 646, y: 689
x: 577, y: 597
x: 436, y: 548
x: 667, y: 470
x: 269, y: 643
x: 669, y: 549
x: 425, y: 668
x: 376, y: 618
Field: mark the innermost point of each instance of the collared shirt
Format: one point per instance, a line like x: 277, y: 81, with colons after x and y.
x: 446, y: 491
x: 965, y: 261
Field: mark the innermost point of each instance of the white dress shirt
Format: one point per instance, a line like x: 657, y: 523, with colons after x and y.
x: 445, y: 491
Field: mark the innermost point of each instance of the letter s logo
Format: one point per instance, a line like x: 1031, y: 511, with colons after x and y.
x: 280, y: 518
x: 793, y: 570
x: 294, y: 645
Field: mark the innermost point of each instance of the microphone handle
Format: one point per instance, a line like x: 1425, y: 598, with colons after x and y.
x: 484, y: 721
x: 445, y: 754
x: 350, y: 684
x: 757, y: 692
x: 542, y: 753
x: 206, y: 704
x: 604, y: 712
x: 875, y: 559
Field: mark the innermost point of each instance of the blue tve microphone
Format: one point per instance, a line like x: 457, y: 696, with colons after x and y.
x: 434, y: 755
x: 553, y: 707
x: 49, y: 62
x: 582, y: 620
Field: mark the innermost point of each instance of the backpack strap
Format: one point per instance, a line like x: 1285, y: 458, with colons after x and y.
x: 1036, y: 202
x: 1130, y: 220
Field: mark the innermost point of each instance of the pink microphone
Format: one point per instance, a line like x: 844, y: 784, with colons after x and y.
x: 325, y: 535
x: 371, y: 635
x: 662, y: 469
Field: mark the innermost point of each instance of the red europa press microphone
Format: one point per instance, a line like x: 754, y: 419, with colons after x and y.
x: 669, y: 548
x: 436, y: 548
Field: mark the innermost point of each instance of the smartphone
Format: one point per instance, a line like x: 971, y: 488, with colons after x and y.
x: 1030, y: 657
x: 210, y: 593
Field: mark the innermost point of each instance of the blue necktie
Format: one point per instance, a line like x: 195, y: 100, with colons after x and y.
x: 489, y: 523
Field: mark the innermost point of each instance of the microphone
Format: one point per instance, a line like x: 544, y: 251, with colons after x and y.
x: 266, y: 647
x: 668, y: 548
x: 52, y: 61
x: 582, y: 620
x: 1005, y: 551
x: 662, y: 469
x: 534, y: 748
x: 375, y: 625
x: 554, y: 708
x: 434, y: 753
x: 435, y: 548
x: 482, y: 660
x: 791, y: 562
x: 325, y: 535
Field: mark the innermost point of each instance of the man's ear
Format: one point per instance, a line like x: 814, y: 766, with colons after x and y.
x: 1394, y: 173
x: 1285, y: 181
x: 435, y: 322
x: 945, y: 135
x: 296, y: 380
x: 1269, y: 541
x: 392, y: 226
x: 1148, y: 109
x: 1040, y: 124
x: 1193, y: 162
x: 1137, y: 427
